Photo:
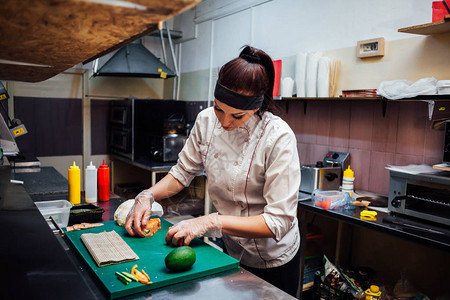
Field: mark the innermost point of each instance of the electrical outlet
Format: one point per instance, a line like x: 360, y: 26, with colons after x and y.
x: 370, y: 48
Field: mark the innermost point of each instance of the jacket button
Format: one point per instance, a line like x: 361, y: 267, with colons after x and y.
x: 246, y: 140
x: 236, y: 163
x: 216, y: 155
x: 229, y: 189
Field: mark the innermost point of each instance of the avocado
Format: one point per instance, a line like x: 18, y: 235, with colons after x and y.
x: 180, y: 259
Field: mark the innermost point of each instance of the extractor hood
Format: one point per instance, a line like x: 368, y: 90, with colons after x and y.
x: 134, y: 60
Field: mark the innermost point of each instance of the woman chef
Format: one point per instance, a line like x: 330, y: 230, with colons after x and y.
x: 252, y: 166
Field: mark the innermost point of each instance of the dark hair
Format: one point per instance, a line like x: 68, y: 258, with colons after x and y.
x: 251, y: 74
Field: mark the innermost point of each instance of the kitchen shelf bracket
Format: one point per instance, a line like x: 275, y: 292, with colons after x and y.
x: 430, y: 108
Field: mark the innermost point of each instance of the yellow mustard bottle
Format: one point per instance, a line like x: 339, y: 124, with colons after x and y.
x: 74, y: 184
x: 373, y: 293
x: 347, y: 181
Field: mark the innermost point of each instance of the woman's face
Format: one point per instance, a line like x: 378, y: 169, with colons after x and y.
x: 230, y: 117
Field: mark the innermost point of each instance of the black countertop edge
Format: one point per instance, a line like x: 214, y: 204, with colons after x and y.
x: 438, y: 241
x: 34, y: 265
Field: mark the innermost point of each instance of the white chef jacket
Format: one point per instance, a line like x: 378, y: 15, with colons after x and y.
x: 251, y: 170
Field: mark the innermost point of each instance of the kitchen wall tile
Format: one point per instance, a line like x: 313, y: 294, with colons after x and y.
x: 338, y: 149
x: 411, y: 128
x: 379, y: 175
x: 339, y: 123
x: 404, y: 160
x: 308, y: 124
x: 434, y: 141
x: 384, y: 131
x: 319, y: 152
x: 323, y: 124
x: 304, y: 153
x: 432, y: 160
x: 360, y: 164
x: 309, y: 154
x: 361, y: 124
x: 291, y: 117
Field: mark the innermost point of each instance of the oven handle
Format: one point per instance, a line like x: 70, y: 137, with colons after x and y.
x: 397, y: 201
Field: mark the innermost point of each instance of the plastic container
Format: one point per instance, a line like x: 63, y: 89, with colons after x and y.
x: 103, y: 182
x: 85, y: 213
x: 74, y: 184
x: 59, y: 210
x: 329, y: 199
x: 347, y: 181
x: 90, y: 184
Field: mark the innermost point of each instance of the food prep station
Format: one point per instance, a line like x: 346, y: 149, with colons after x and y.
x: 40, y: 262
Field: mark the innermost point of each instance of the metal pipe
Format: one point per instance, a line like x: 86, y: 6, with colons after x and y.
x: 180, y: 47
x: 171, y: 48
x: 211, y: 63
x: 163, y: 46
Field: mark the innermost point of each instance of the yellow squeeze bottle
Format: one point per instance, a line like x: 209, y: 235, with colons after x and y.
x: 74, y: 184
x: 347, y: 181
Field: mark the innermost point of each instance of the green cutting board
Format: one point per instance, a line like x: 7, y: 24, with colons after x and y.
x: 152, y: 252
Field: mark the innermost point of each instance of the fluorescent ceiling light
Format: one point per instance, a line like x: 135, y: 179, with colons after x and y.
x: 118, y: 3
x: 19, y: 63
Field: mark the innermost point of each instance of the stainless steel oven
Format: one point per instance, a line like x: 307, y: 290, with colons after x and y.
x: 122, y: 113
x: 122, y: 128
x: 424, y: 196
x: 121, y: 142
x: 133, y: 123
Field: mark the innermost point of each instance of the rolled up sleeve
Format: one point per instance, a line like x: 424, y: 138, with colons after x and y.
x: 282, y: 181
x: 189, y: 162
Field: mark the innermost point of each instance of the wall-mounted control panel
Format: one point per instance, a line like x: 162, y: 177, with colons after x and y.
x: 370, y: 48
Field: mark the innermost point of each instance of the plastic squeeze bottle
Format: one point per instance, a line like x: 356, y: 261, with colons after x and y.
x: 347, y: 181
x: 103, y: 182
x: 90, y: 184
x: 74, y: 184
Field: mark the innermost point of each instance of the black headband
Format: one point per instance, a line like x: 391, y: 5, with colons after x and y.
x: 237, y: 100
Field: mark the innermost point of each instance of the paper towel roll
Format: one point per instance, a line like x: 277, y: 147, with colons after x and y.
x: 323, y: 77
x: 312, y: 63
x: 300, y: 74
x: 287, y: 87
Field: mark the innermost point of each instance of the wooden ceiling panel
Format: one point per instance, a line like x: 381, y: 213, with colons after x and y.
x: 63, y: 33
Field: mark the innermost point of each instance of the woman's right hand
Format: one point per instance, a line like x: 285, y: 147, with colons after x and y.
x: 140, y: 213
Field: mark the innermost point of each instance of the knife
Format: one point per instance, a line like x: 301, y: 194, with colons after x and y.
x: 425, y: 229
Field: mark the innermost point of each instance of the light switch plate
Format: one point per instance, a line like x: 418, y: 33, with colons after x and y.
x: 370, y: 48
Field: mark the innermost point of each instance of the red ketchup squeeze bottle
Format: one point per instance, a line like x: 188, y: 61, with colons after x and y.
x: 103, y: 182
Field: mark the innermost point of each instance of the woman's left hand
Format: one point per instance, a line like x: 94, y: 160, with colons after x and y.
x: 209, y: 225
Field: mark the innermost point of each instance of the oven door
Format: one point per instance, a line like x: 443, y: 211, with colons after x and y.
x: 121, y: 142
x: 121, y: 114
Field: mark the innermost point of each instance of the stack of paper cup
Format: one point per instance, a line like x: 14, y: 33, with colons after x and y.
x: 287, y: 87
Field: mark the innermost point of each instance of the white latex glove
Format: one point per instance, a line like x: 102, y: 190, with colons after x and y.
x: 140, y: 213
x: 209, y: 225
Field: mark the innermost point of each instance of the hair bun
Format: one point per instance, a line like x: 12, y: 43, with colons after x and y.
x: 250, y: 57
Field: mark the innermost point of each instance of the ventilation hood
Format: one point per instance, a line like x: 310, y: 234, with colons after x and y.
x: 134, y: 60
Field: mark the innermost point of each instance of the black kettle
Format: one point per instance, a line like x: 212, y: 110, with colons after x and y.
x: 175, y: 124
